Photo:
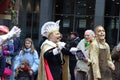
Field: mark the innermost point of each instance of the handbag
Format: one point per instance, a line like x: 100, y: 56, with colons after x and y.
x: 7, y: 71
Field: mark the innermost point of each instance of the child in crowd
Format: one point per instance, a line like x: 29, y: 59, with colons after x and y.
x: 27, y: 61
x: 23, y: 70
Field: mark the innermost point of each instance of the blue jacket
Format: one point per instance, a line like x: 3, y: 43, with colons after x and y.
x: 32, y: 58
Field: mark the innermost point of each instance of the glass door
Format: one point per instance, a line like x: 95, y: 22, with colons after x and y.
x: 75, y: 15
x: 112, y: 22
x: 29, y: 19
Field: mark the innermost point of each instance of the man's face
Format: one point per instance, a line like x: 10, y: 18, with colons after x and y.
x: 100, y: 33
x: 88, y: 35
x: 118, y: 48
x: 72, y: 36
x: 55, y: 36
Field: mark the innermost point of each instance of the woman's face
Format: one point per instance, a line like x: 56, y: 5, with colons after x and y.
x: 100, y: 33
x: 28, y: 44
x: 55, y: 36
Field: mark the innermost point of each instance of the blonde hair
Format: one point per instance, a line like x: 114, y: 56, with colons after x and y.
x: 32, y: 45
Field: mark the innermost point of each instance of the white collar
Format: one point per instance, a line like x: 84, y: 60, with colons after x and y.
x: 49, y: 43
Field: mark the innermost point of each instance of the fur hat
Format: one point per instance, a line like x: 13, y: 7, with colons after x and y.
x: 49, y: 27
x: 4, y: 29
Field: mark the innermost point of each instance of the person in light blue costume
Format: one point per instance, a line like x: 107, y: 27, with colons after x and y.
x: 27, y: 53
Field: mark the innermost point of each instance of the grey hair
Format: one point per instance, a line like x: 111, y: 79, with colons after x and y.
x: 118, y: 44
x: 91, y: 31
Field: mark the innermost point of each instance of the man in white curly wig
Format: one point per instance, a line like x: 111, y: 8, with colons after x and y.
x: 51, y: 55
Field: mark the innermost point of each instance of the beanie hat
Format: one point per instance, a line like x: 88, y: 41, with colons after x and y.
x: 49, y: 27
x: 4, y: 29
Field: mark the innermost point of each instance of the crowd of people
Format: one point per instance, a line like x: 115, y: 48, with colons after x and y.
x: 89, y: 58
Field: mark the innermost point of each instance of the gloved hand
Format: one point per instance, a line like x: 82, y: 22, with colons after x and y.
x: 14, y: 32
x: 73, y: 50
x: 55, y: 51
x: 61, y: 45
x: 18, y: 33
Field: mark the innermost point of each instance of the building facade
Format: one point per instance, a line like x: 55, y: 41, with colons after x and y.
x: 75, y: 15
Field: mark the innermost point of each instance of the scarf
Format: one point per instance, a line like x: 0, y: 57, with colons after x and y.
x: 87, y: 43
x: 27, y: 50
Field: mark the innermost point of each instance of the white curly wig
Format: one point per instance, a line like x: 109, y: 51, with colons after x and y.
x: 48, y: 27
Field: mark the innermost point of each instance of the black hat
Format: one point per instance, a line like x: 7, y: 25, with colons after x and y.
x: 74, y: 33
